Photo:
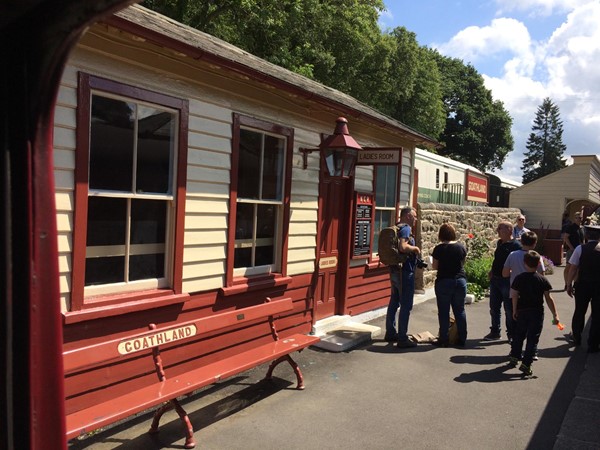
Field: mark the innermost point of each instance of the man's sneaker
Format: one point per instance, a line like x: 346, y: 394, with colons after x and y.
x: 513, y: 361
x: 406, y: 344
x: 535, y: 356
x: 526, y: 370
x: 390, y: 337
x: 493, y: 336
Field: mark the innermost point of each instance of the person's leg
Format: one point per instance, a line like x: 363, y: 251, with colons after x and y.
x: 443, y: 294
x: 534, y: 330
x: 520, y: 332
x: 495, y: 308
x: 406, y: 303
x: 458, y: 309
x: 582, y: 299
x: 594, y: 337
x: 390, y: 320
x: 504, y: 284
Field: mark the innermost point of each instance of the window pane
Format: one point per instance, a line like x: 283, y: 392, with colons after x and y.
x: 249, y: 164
x: 264, y: 255
x: 390, y: 196
x: 111, y: 144
x: 104, y: 270
x: 380, y: 187
x: 242, y: 257
x: 156, y: 131
x: 106, y: 221
x: 272, y: 178
x: 244, y: 221
x: 266, y: 221
x: 148, y: 221
x: 142, y: 267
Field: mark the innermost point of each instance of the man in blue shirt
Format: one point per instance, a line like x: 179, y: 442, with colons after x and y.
x: 403, y: 281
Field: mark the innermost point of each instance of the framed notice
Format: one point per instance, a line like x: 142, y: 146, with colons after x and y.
x: 363, y: 225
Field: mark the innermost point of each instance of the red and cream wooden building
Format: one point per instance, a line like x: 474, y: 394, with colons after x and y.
x: 181, y: 192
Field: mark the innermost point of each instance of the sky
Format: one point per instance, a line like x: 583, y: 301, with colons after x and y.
x: 526, y: 50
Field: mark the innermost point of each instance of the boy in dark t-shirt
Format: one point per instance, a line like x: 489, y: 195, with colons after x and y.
x: 529, y: 291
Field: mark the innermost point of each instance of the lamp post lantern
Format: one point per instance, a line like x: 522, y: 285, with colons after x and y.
x: 339, y: 151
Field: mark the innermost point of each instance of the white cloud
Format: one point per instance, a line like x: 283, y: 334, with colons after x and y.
x: 539, y: 8
x: 564, y: 67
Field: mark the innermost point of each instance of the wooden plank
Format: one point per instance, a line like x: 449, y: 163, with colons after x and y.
x: 108, y: 351
x: 118, y: 408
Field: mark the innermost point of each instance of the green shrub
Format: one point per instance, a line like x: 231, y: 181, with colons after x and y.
x: 477, y: 271
x: 477, y: 247
x: 476, y: 290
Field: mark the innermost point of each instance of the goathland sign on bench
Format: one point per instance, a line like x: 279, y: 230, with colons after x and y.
x: 169, y: 389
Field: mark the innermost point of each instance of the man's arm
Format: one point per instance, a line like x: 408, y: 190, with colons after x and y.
x: 571, y: 277
x: 515, y: 299
x: 551, y: 306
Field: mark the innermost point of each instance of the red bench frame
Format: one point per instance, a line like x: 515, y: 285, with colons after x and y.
x: 169, y: 389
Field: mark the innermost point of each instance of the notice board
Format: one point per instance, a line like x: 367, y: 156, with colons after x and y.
x: 363, y: 225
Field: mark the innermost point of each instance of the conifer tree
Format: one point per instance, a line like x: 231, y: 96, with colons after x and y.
x: 545, y: 148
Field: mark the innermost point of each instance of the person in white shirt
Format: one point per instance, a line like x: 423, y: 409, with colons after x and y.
x: 519, y: 227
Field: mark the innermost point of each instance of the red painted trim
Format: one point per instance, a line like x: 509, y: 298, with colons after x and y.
x: 261, y: 125
x: 87, y: 83
x: 415, y: 187
x: 126, y: 304
x: 254, y: 285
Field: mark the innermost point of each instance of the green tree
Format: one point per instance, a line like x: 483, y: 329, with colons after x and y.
x: 477, y: 130
x: 545, y: 148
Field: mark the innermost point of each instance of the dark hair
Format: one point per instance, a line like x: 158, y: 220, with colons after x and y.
x: 532, y: 259
x: 447, y: 232
x: 529, y: 238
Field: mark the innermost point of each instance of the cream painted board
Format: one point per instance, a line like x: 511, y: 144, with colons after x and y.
x: 205, y: 237
x: 303, y: 229
x: 204, y: 125
x: 64, y: 137
x: 303, y: 201
x: 215, y: 190
x: 64, y: 243
x: 65, y: 116
x: 303, y: 215
x: 207, y: 206
x: 205, y: 222
x: 209, y: 158
x: 305, y: 188
x: 64, y: 159
x: 199, y: 285
x: 206, y: 142
x: 64, y: 263
x: 64, y: 201
x: 301, y: 267
x: 64, y: 284
x: 202, y: 269
x: 64, y: 179
x: 67, y: 96
x: 203, y: 253
x: 207, y: 174
x: 215, y: 112
x: 299, y: 242
x: 64, y: 222
x: 301, y: 254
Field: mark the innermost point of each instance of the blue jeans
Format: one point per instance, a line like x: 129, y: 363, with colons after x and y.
x: 528, y: 326
x: 451, y: 293
x: 403, y: 291
x: 500, y: 295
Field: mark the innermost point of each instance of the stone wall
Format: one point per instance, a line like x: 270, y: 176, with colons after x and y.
x: 478, y: 220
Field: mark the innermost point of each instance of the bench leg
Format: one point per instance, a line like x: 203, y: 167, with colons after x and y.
x: 295, y: 366
x: 187, y: 425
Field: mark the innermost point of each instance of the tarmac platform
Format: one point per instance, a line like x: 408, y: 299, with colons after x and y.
x: 376, y: 396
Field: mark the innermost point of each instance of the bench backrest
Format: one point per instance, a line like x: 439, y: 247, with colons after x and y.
x: 115, y: 349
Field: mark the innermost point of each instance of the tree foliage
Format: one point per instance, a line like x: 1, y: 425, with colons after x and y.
x: 339, y: 43
x: 545, y: 148
x: 477, y: 130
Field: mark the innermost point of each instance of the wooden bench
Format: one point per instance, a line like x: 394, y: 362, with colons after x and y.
x: 169, y: 389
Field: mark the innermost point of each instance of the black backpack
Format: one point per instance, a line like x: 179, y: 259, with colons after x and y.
x: 387, y: 248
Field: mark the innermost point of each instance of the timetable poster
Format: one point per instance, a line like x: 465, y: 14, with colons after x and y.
x: 363, y: 225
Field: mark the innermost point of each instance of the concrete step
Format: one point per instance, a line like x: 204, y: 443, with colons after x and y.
x: 342, y: 333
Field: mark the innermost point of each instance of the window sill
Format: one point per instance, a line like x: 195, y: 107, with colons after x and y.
x: 375, y: 264
x: 242, y: 285
x: 151, y: 300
